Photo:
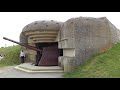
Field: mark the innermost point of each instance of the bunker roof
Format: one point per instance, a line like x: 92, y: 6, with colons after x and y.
x: 42, y: 25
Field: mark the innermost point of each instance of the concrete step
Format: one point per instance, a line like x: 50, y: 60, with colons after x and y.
x: 27, y: 67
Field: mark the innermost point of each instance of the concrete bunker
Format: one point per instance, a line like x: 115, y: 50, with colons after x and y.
x: 44, y: 36
x: 75, y: 40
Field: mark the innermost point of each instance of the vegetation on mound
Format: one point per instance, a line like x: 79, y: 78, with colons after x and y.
x: 104, y: 65
x: 11, y: 56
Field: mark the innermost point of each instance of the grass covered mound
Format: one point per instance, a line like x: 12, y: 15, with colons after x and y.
x: 104, y: 65
x: 11, y: 57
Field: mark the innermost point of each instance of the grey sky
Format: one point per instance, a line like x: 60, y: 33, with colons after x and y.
x: 12, y: 23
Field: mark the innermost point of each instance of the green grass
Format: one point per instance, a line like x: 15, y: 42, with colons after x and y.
x: 11, y: 56
x: 104, y: 65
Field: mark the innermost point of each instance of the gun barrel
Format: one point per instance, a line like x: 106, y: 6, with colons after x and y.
x: 27, y: 46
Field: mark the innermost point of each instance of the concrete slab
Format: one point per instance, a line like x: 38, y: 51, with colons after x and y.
x: 27, y: 67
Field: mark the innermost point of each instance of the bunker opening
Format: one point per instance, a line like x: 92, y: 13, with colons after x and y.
x: 48, y: 55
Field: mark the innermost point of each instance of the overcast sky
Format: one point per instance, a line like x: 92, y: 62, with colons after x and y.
x: 12, y: 23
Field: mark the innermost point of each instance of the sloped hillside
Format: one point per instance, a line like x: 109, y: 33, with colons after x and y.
x: 104, y: 65
x: 11, y: 55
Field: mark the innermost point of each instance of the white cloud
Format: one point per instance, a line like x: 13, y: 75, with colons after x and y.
x: 12, y: 23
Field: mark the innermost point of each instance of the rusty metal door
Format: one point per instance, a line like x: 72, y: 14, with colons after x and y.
x: 49, y: 56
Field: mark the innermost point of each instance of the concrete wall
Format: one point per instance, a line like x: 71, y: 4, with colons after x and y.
x: 87, y: 36
x: 115, y: 33
x: 30, y: 55
x: 67, y: 43
x: 91, y: 36
x: 23, y: 39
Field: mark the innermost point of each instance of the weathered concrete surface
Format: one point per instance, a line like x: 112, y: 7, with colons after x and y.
x: 87, y: 36
x: 39, y: 26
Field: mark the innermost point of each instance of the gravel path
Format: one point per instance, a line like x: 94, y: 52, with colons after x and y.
x: 11, y: 72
